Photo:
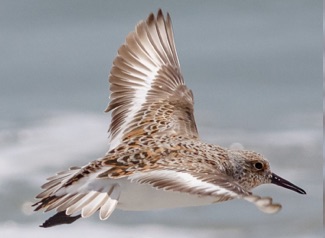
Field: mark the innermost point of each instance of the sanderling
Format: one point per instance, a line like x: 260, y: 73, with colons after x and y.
x: 156, y: 159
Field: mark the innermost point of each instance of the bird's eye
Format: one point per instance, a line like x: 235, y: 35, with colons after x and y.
x: 258, y: 165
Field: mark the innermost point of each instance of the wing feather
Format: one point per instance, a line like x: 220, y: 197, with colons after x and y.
x: 222, y: 187
x: 78, y: 190
x: 145, y: 76
x: 172, y: 180
x: 110, y: 203
x: 94, y: 205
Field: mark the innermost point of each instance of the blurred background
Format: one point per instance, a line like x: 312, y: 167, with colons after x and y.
x: 255, y: 68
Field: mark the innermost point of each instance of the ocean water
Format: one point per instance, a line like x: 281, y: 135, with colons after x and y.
x: 254, y: 68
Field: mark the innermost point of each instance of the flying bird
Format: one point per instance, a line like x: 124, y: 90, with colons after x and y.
x: 156, y: 158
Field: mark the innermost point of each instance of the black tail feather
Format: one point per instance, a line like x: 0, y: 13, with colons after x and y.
x: 59, y: 219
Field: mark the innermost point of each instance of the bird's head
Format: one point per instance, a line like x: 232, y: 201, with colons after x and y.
x: 252, y: 169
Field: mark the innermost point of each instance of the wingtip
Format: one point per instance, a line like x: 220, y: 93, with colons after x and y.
x: 160, y: 14
x: 151, y: 18
x: 264, y: 204
x: 169, y: 19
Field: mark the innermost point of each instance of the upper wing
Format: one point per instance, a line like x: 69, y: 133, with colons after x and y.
x: 146, y: 84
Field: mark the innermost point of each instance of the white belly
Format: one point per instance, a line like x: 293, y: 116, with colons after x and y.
x: 138, y: 197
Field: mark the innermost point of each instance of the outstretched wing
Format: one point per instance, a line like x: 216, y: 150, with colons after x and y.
x: 148, y: 94
x: 219, y: 186
x: 77, y: 193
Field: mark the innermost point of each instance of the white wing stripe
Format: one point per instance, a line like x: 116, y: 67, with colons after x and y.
x: 187, y: 179
x: 146, y: 51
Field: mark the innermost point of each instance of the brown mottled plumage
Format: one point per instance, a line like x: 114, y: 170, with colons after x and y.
x: 156, y: 159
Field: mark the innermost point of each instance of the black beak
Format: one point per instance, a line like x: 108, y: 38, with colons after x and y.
x: 286, y: 184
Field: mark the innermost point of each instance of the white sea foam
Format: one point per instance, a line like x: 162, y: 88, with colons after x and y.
x: 52, y: 143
